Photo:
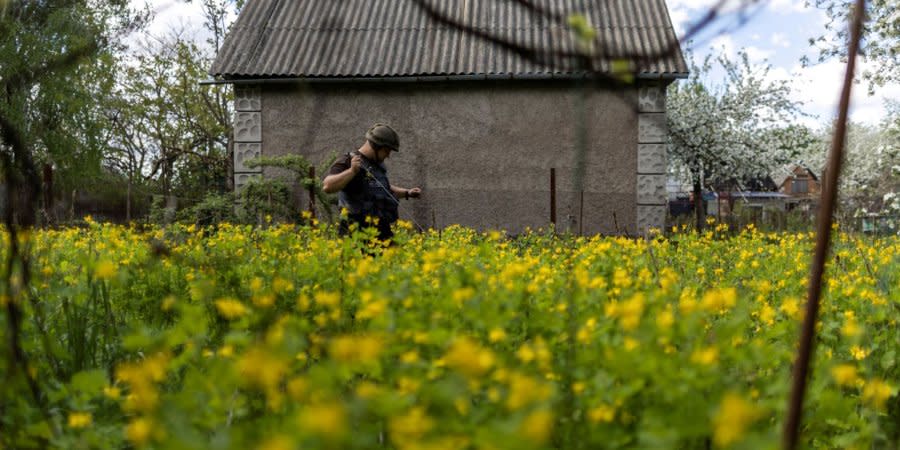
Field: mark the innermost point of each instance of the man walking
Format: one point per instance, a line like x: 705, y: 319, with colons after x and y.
x: 361, y: 180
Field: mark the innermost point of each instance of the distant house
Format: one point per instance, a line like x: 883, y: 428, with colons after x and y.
x: 801, y: 185
x: 480, y: 126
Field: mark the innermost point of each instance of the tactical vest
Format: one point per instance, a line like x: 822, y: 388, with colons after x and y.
x: 373, y: 199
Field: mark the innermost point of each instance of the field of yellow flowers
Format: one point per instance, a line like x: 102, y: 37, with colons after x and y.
x: 286, y: 337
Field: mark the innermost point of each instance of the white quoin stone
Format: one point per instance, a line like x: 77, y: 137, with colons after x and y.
x: 243, y: 152
x: 652, y: 99
x: 652, y: 158
x: 650, y: 216
x: 247, y: 98
x: 651, y: 189
x: 652, y: 128
x: 247, y: 127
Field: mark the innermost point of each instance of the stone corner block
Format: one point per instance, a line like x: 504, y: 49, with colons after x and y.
x: 652, y: 158
x: 243, y: 152
x: 241, y: 179
x: 650, y: 216
x: 651, y: 189
x: 247, y: 98
x: 652, y: 128
x: 247, y: 127
x: 652, y: 98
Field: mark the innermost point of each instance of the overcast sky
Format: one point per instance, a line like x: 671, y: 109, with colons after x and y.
x: 778, y: 33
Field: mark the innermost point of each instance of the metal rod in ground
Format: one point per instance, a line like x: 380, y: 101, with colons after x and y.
x: 553, y: 197
x: 823, y: 241
x: 312, y: 192
x: 581, y: 216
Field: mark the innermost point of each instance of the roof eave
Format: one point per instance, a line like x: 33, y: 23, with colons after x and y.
x: 252, y: 79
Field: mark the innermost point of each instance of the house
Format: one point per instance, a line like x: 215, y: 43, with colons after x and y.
x: 800, y: 185
x: 481, y: 126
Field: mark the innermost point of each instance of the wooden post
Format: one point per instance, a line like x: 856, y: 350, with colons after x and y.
x: 553, y: 197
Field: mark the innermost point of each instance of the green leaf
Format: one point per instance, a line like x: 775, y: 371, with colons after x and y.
x: 889, y: 359
x: 89, y: 382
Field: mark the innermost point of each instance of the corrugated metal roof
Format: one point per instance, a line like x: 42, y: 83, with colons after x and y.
x: 396, y: 38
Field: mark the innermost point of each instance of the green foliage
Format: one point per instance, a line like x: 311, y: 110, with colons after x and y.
x: 214, y: 209
x: 298, y: 170
x: 263, y: 200
x: 57, y: 72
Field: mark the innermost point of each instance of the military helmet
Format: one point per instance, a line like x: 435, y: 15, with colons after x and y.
x: 383, y: 136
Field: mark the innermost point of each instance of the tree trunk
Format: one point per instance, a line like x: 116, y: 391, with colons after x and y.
x: 699, y: 205
x: 128, y: 202
x: 48, y: 193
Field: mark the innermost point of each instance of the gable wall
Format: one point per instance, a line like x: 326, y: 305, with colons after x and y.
x: 482, y: 151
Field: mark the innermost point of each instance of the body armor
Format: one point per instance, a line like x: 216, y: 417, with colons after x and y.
x: 373, y: 199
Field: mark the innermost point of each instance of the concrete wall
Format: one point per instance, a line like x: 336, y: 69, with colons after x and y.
x: 481, y: 151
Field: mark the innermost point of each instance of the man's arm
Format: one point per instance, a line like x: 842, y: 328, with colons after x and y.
x: 337, y: 181
x: 400, y: 192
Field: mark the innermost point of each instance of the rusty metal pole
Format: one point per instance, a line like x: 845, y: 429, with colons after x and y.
x: 312, y: 192
x: 581, y: 216
x: 823, y: 242
x: 553, y: 197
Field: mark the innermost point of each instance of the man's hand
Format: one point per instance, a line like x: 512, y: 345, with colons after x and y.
x: 355, y: 163
x: 414, y: 193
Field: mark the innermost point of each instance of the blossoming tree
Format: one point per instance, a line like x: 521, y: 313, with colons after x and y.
x: 740, y: 128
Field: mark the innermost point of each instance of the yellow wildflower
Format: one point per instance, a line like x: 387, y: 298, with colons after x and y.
x: 463, y: 294
x: 496, y: 335
x: 372, y: 310
x: 112, y: 392
x: 732, y: 419
x: 263, y: 300
x: 355, y: 349
x: 281, y: 286
x: 630, y: 343
x: 687, y: 302
x: 328, y: 299
x: 409, y: 357
x: 844, y: 375
x: 767, y: 314
x: 536, y: 427
x: 790, y: 306
x: 367, y: 390
x: 297, y: 388
x: 80, y: 420
x: 718, y: 300
x: 138, y: 431
x: 602, y: 414
x: 665, y: 319
x: 858, y: 352
x: 277, y: 443
x: 469, y: 358
x: 410, y: 427
x: 328, y: 420
x: 705, y: 356
x: 230, y: 308
x: 876, y: 392
x: 850, y: 329
x: 525, y: 390
x: 105, y: 270
x: 260, y: 368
